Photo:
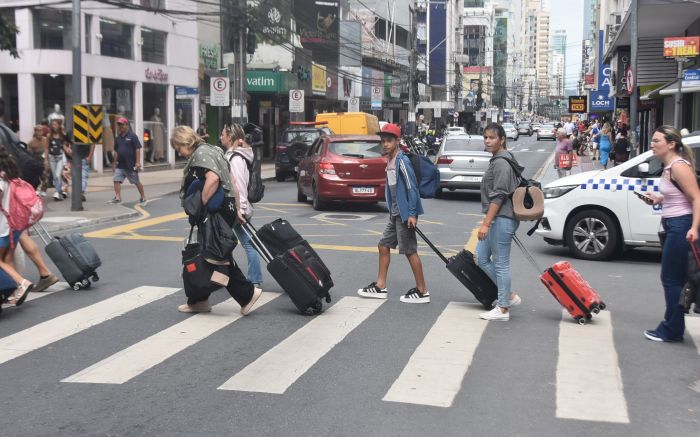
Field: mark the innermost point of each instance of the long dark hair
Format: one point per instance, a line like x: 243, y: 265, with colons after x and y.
x: 498, y: 130
x: 8, y: 164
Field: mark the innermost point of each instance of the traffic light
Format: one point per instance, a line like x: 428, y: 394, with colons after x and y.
x: 251, y: 41
x: 558, y: 103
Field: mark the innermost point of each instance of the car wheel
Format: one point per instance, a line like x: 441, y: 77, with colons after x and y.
x: 280, y: 177
x: 301, y: 197
x: 316, y: 202
x: 592, y: 235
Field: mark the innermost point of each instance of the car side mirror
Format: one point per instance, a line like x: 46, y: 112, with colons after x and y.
x: 643, y: 169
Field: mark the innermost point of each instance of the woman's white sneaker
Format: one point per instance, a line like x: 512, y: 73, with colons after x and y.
x: 496, y: 315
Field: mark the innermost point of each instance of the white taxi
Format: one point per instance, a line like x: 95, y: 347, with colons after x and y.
x: 596, y: 213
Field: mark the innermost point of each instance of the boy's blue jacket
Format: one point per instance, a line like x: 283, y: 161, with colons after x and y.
x: 407, y: 195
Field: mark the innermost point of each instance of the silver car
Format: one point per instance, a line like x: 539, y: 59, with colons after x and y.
x: 511, y: 131
x: 462, y: 161
x: 547, y: 131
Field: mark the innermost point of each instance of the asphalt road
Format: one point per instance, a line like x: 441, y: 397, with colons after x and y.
x: 120, y: 360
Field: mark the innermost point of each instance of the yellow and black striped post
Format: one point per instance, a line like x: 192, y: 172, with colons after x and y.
x: 96, y: 117
x: 81, y: 124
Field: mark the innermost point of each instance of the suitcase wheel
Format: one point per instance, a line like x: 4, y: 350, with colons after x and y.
x: 581, y: 320
x: 77, y: 286
x: 602, y: 306
x: 595, y: 309
x: 95, y: 278
x: 85, y: 283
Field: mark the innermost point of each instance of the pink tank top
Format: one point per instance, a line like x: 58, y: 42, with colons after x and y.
x: 675, y: 202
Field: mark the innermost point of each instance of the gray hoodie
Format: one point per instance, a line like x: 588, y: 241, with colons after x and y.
x: 498, y: 184
x: 240, y: 177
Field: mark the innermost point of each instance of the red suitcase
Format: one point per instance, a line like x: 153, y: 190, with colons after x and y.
x: 569, y: 288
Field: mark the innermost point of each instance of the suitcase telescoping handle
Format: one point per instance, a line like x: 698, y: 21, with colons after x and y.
x: 42, y: 233
x: 258, y: 245
x: 527, y: 254
x: 432, y: 246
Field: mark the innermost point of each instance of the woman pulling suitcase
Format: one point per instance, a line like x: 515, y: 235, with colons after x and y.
x: 207, y: 168
x: 499, y: 224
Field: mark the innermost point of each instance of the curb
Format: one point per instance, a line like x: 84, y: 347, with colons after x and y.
x: 540, y: 173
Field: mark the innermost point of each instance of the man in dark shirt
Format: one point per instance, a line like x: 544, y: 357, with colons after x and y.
x: 127, y: 160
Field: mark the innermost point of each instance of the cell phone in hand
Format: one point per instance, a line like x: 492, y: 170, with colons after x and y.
x: 644, y: 198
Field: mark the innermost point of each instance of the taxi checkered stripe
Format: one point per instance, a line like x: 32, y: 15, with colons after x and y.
x: 620, y: 184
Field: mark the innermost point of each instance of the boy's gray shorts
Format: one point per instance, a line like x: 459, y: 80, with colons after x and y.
x: 397, y: 233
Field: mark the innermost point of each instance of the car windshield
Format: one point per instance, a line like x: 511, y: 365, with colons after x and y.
x: 463, y: 145
x: 508, y: 126
x: 357, y: 149
x: 547, y: 126
x: 306, y: 137
x: 523, y: 125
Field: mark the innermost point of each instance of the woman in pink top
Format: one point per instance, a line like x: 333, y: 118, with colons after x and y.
x: 680, y: 197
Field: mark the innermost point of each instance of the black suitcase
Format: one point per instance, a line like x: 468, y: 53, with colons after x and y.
x: 463, y: 267
x: 299, y: 271
x: 278, y: 236
x: 64, y: 257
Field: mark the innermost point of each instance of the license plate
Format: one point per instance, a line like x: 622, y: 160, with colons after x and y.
x: 471, y: 178
x: 362, y: 190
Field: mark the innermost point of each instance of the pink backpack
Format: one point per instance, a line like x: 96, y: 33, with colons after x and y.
x: 26, y: 208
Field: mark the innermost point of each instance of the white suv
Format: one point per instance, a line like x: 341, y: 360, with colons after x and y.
x: 596, y: 213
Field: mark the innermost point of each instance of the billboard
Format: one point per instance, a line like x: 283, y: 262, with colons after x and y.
x: 318, y: 79
x: 319, y: 26
x: 600, y: 99
x: 437, y: 51
x: 682, y: 47
x: 578, y: 104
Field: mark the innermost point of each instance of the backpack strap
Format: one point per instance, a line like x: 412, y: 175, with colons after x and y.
x: 513, y: 165
x: 247, y: 163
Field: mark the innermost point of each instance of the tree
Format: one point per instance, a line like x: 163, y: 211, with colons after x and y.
x: 8, y: 30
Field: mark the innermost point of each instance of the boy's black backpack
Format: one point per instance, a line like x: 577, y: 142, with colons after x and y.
x: 31, y: 170
x: 256, y: 188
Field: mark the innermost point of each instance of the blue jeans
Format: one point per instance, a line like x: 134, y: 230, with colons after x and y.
x: 85, y: 174
x: 254, y: 272
x: 674, y: 273
x: 493, y: 255
x: 56, y: 163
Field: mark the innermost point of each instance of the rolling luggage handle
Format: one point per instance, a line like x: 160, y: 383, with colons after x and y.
x: 41, y: 231
x: 255, y: 241
x: 432, y: 246
x: 527, y: 254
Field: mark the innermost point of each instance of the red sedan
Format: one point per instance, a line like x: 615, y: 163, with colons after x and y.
x: 349, y: 168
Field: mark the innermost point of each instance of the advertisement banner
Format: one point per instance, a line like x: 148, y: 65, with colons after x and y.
x: 272, y: 18
x: 349, y: 83
x: 331, y: 85
x: 578, y: 104
x: 599, y: 99
x: 318, y: 79
x: 319, y: 26
x: 682, y: 47
x: 392, y: 87
x: 691, y: 78
x: 209, y: 56
x: 623, y: 63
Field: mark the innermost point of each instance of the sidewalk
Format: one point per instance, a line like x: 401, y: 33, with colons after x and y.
x: 584, y: 164
x: 58, y: 216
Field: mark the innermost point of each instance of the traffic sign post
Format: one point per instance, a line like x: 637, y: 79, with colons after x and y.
x: 296, y: 105
x: 353, y: 104
x: 87, y: 131
x: 219, y: 91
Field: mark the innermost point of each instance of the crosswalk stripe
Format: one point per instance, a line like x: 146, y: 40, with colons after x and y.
x: 541, y: 150
x: 136, y: 359
x: 524, y: 150
x: 589, y: 384
x: 277, y: 369
x: 63, y: 326
x: 434, y: 373
x: 692, y: 325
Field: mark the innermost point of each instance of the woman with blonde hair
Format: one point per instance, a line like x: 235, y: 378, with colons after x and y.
x: 680, y: 218
x: 207, y: 168
x: 605, y: 144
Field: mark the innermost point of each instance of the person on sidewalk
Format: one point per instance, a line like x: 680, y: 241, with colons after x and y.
x: 563, y: 149
x: 499, y: 225
x: 54, y: 156
x: 403, y: 199
x: 127, y: 160
x: 622, y: 146
x: 680, y: 219
x: 9, y: 171
x: 207, y: 163
x: 239, y: 154
x: 36, y: 147
x: 605, y: 144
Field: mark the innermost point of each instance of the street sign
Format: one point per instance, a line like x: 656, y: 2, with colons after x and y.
x: 455, y: 115
x: 682, y: 47
x: 691, y: 78
x: 577, y: 104
x: 296, y: 100
x: 219, y: 91
x: 95, y: 128
x: 630, y: 81
x: 353, y: 104
x: 377, y: 97
x: 81, y: 124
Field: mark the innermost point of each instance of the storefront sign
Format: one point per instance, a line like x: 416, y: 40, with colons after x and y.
x: 219, y: 91
x: 622, y: 102
x: 599, y: 99
x: 630, y: 81
x: 156, y: 74
x: 331, y: 85
x: 183, y: 92
x: 209, y: 55
x: 623, y: 63
x: 600, y: 102
x: 296, y: 100
x: 261, y: 81
x: 682, y: 47
x: 691, y: 78
x: 392, y: 87
x: 318, y: 79
x: 578, y: 104
x: 318, y: 23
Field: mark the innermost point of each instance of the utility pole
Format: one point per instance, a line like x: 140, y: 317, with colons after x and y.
x: 411, y: 124
x: 238, y: 46
x: 76, y: 162
x: 634, y: 98
x: 678, y: 114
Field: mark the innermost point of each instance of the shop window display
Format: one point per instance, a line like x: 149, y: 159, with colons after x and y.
x: 155, y: 123
x: 52, y: 93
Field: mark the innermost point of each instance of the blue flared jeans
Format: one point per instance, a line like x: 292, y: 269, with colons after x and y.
x: 493, y: 255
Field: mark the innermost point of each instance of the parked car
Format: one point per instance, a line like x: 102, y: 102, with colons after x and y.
x: 293, y: 146
x: 596, y: 213
x: 511, y: 131
x: 547, y: 131
x: 525, y: 129
x: 462, y: 161
x: 349, y: 168
x: 536, y: 127
x: 455, y: 130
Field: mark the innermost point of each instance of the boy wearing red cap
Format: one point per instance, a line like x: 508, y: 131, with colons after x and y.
x: 127, y: 160
x: 403, y: 200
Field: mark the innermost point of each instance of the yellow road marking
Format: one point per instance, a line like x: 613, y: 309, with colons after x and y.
x: 430, y: 222
x: 281, y: 211
x: 144, y: 214
x: 473, y: 239
x: 295, y: 205
x: 110, y: 232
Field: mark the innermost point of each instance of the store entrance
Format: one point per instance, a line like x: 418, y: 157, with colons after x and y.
x: 267, y: 122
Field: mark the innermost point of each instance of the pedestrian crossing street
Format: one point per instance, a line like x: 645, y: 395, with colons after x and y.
x: 433, y: 375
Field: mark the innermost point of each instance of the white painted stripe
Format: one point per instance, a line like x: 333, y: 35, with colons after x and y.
x: 524, y: 150
x: 692, y: 325
x: 136, y: 359
x: 541, y: 150
x: 277, y: 369
x: 58, y: 328
x: 434, y: 373
x: 589, y: 384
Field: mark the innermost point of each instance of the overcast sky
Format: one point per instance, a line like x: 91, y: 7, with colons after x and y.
x: 568, y: 15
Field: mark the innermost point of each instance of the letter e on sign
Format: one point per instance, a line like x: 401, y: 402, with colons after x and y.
x: 296, y: 100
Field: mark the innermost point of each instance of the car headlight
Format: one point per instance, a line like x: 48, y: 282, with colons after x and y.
x: 554, y: 192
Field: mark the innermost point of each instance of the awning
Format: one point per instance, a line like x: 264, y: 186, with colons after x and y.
x: 672, y: 88
x: 650, y: 92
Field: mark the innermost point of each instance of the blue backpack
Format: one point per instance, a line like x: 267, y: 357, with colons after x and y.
x: 427, y: 175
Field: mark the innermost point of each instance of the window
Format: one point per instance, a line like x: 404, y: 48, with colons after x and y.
x: 463, y: 145
x: 116, y: 39
x: 52, y: 29
x: 52, y: 91
x: 155, y: 122
x: 473, y: 3
x: 8, y: 16
x: 117, y: 99
x: 153, y: 46
x: 88, y: 34
x: 357, y: 149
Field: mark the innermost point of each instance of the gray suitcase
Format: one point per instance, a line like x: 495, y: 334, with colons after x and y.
x: 74, y: 257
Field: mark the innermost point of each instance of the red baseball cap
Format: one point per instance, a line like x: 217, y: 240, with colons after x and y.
x: 390, y: 129
x: 122, y: 120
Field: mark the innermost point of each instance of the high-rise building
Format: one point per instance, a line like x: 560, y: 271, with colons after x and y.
x: 558, y: 62
x: 535, y: 46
